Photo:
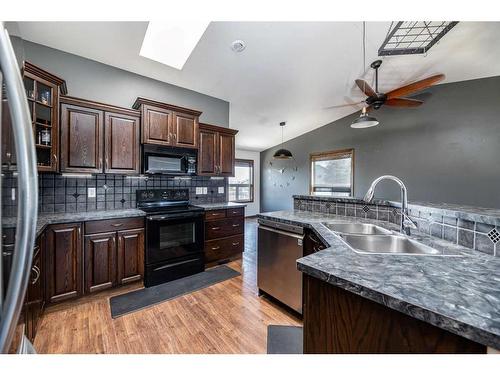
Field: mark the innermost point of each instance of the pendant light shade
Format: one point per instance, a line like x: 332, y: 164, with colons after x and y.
x: 282, y: 153
x: 364, y: 121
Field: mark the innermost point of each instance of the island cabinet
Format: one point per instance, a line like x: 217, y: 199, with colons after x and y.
x: 42, y: 91
x: 113, y: 252
x: 99, y: 138
x: 224, y: 235
x: 337, y: 321
x: 216, y: 154
x: 168, y: 125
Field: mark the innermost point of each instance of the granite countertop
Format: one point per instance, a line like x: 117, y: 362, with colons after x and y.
x: 480, y: 214
x: 220, y: 206
x: 45, y: 219
x: 460, y: 294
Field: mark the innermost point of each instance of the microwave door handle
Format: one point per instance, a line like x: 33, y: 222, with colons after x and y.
x: 28, y: 192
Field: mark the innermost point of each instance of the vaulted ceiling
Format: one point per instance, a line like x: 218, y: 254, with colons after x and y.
x: 289, y: 71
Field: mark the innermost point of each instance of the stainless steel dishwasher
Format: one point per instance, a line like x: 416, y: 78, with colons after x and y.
x: 279, y: 247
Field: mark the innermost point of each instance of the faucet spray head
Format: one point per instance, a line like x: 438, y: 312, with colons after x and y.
x: 369, y: 195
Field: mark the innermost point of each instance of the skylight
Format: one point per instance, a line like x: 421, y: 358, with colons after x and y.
x: 171, y: 42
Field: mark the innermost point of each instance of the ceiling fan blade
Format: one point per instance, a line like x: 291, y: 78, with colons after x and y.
x: 345, y: 105
x: 365, y: 87
x: 402, y: 102
x: 415, y: 86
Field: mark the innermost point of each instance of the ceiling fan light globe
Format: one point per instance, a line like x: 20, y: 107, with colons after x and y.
x: 364, y: 121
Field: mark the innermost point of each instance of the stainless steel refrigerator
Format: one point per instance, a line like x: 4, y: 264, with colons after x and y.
x: 17, y: 255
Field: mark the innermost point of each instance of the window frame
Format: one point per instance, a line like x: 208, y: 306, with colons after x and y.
x: 330, y: 155
x: 251, y: 185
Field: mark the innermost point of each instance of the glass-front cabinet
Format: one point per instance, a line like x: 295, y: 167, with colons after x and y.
x: 43, y: 90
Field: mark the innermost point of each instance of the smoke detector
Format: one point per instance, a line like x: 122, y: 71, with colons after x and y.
x: 238, y: 45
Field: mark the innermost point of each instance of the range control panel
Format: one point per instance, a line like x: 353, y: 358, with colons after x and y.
x: 162, y: 195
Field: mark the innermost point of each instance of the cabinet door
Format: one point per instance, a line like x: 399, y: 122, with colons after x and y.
x: 185, y: 130
x: 34, y: 294
x: 208, y: 153
x: 100, y: 261
x: 8, y: 149
x: 130, y: 255
x: 82, y: 133
x: 226, y: 155
x: 156, y: 125
x: 64, y: 262
x: 122, y: 144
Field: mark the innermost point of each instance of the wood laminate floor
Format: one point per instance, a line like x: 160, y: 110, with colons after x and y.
x: 227, y: 317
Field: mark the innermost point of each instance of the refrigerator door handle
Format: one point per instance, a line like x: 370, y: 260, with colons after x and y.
x: 27, y: 203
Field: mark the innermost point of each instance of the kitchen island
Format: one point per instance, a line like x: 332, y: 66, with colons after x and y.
x: 395, y: 303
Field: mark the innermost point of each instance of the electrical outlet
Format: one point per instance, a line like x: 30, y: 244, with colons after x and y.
x: 13, y: 194
x: 221, y: 189
x: 205, y: 190
x: 199, y: 191
x: 91, y: 192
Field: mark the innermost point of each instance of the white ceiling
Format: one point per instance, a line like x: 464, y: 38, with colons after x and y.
x: 289, y: 71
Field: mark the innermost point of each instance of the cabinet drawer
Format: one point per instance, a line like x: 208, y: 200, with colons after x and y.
x: 232, y: 212
x: 223, y: 228
x: 215, y: 214
x: 216, y: 250
x: 109, y: 225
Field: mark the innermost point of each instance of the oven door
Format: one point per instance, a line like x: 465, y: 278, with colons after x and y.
x: 173, y: 236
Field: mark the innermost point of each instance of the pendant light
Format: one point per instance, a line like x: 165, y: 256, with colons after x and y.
x: 364, y: 120
x: 282, y: 153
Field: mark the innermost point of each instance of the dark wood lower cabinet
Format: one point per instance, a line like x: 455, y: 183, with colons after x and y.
x: 340, y: 322
x: 100, y: 261
x: 35, y: 301
x: 64, y: 262
x: 130, y: 255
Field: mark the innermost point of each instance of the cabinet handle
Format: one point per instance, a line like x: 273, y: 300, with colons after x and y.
x: 54, y: 157
x: 216, y: 248
x: 117, y: 224
x: 100, y: 163
x: 37, y: 272
x: 215, y: 228
x: 236, y: 243
x: 236, y: 225
x: 9, y: 155
x: 79, y: 231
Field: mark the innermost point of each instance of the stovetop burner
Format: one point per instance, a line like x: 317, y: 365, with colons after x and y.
x: 159, y: 201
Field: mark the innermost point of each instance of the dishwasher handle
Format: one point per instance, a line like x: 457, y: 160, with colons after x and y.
x: 294, y: 235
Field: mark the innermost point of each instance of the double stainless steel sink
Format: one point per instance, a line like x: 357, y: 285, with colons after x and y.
x: 373, y: 239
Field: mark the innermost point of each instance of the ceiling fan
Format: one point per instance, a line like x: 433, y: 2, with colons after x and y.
x: 393, y: 98
x: 396, y: 97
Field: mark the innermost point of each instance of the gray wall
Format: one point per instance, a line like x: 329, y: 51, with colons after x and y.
x: 93, y: 80
x: 448, y: 150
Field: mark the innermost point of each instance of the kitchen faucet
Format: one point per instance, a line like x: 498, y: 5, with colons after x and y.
x: 406, y: 222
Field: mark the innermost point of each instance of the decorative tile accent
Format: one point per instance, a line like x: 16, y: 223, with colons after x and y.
x: 494, y: 235
x: 366, y: 208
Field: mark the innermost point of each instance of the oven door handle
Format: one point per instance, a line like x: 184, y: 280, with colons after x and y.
x: 174, y: 216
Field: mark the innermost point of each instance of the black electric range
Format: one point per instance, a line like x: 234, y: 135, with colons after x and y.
x: 174, y: 235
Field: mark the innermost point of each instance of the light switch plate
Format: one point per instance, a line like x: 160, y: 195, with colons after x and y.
x: 221, y: 189
x: 91, y: 192
x: 13, y: 194
x: 199, y: 191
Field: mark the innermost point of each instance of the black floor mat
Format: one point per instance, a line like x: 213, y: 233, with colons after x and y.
x: 143, y: 298
x: 284, y: 340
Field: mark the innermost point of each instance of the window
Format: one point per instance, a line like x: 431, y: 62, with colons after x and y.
x: 241, y: 185
x: 332, y: 173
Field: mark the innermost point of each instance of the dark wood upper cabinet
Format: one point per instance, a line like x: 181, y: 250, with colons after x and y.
x: 100, y: 261
x: 81, y: 139
x: 122, y: 145
x: 8, y: 148
x: 185, y: 130
x: 226, y: 154
x: 167, y: 124
x: 42, y: 91
x: 64, y: 262
x: 130, y: 255
x: 216, y: 154
x: 207, y: 152
x: 99, y: 138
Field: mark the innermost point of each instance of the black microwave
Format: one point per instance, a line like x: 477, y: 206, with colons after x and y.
x: 173, y: 161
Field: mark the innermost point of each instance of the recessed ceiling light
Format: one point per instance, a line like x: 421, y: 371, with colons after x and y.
x: 171, y: 42
x: 238, y: 45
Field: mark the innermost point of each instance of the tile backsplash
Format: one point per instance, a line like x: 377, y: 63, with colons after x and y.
x: 472, y: 234
x: 58, y: 193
